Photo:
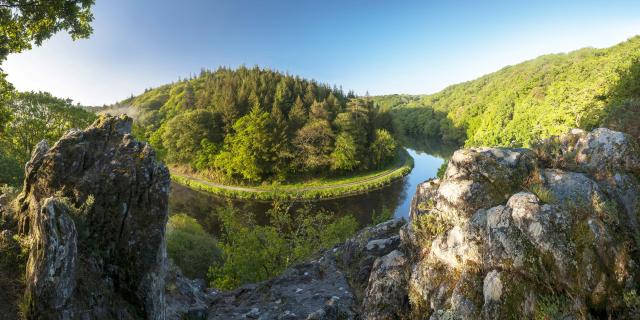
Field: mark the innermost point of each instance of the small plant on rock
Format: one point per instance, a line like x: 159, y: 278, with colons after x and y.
x: 543, y: 193
x: 551, y: 307
x: 430, y: 225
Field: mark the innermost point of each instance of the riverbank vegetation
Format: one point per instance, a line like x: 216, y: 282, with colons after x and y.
x: 253, y: 253
x: 252, y: 125
x: 190, y: 246
x: 318, y: 188
x: 520, y: 104
x: 246, y: 251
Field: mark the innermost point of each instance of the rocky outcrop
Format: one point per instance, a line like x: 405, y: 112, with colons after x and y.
x: 548, y: 233
x: 551, y: 232
x: 94, y: 207
x: 506, y: 233
x: 187, y: 298
x: 331, y: 287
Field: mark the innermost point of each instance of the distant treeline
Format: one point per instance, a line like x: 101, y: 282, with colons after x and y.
x: 257, y: 125
x: 535, y: 99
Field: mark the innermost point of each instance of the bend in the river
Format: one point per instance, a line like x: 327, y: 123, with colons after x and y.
x: 340, y: 187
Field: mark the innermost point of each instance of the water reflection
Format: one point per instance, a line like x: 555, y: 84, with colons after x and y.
x: 394, y: 198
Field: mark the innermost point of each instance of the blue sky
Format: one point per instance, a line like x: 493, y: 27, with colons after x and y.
x: 377, y: 46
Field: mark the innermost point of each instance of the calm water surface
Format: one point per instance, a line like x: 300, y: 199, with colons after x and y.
x: 396, y: 197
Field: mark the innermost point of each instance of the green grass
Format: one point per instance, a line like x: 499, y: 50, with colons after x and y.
x: 313, y: 189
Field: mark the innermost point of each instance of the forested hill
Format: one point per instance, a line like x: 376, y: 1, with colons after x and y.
x: 534, y: 99
x: 256, y: 125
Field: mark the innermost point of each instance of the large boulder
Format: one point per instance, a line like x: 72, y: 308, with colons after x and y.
x: 386, y: 296
x: 516, y: 233
x: 609, y: 157
x: 95, y: 207
x: 482, y: 177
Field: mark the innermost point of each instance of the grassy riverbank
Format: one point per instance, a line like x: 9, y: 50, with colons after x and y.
x: 309, y: 190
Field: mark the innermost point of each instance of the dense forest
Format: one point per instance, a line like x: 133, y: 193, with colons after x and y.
x: 31, y: 117
x: 519, y: 104
x: 256, y: 125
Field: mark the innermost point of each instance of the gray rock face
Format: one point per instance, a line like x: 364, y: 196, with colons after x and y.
x: 482, y: 177
x: 566, y: 250
x: 95, y: 207
x: 52, y: 262
x: 187, y: 298
x: 386, y: 295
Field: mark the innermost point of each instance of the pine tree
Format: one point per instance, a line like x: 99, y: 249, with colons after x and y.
x: 310, y: 94
x: 297, y: 115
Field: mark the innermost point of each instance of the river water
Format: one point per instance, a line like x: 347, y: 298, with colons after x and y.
x: 395, y: 197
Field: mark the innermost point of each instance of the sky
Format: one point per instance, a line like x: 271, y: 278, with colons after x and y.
x: 380, y: 47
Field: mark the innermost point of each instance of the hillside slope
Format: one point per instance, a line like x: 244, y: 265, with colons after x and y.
x: 534, y: 99
x: 253, y: 125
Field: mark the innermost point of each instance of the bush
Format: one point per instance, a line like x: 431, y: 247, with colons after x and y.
x: 442, y: 169
x: 385, y: 214
x: 190, y: 246
x: 252, y: 252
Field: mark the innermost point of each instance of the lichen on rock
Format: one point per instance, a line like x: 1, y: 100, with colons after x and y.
x: 95, y: 207
x: 533, y: 232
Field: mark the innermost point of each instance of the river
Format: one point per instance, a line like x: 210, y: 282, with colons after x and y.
x: 395, y: 197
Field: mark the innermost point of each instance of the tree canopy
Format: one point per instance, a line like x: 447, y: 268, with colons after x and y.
x: 535, y: 99
x: 27, y: 22
x: 255, y: 125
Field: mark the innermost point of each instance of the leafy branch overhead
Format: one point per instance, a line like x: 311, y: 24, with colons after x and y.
x: 24, y: 23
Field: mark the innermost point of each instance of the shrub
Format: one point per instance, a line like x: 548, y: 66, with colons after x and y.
x: 442, y: 169
x: 385, y: 214
x: 190, y: 246
x: 252, y: 252
x: 430, y: 225
x: 551, y: 307
x: 543, y: 193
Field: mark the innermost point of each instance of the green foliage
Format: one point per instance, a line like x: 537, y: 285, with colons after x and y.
x: 249, y: 152
x: 551, y: 307
x: 313, y: 144
x: 344, y: 156
x: 442, y: 170
x: 6, y: 92
x: 632, y: 303
x: 316, y: 189
x: 266, y: 126
x: 383, y: 147
x: 252, y: 252
x: 385, y: 214
x: 11, y: 170
x: 189, y: 246
x: 430, y: 225
x: 183, y: 135
x: 624, y: 117
x: 35, y: 116
x: 25, y: 22
x: 543, y: 193
x: 521, y: 104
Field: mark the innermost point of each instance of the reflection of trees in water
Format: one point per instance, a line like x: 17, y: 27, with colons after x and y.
x: 430, y: 146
